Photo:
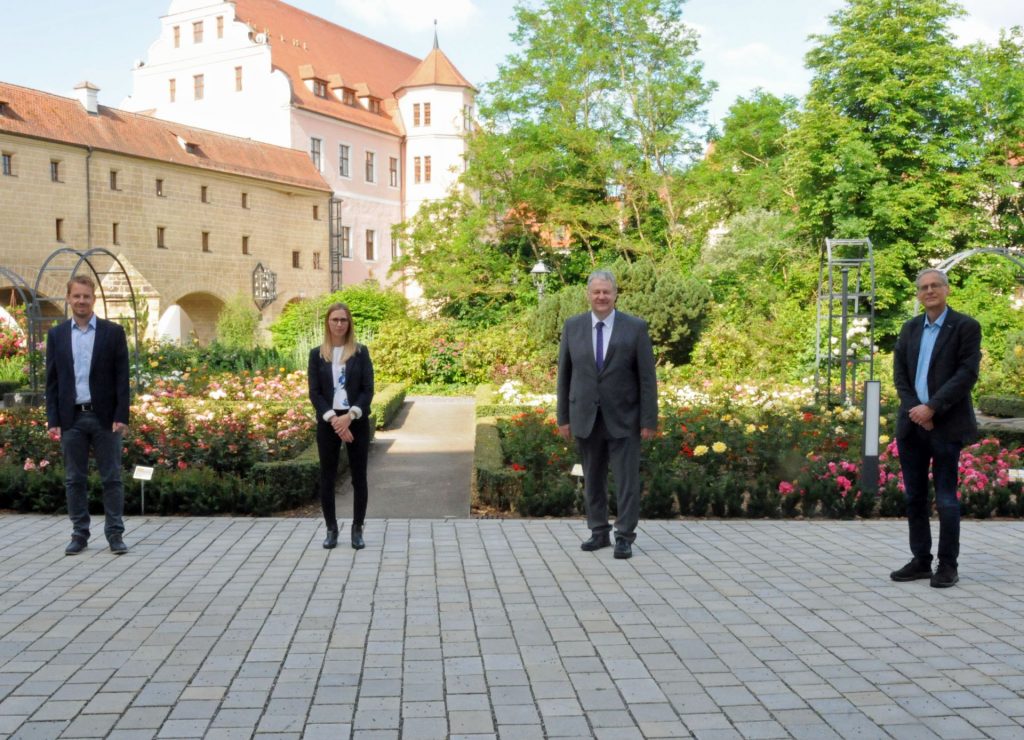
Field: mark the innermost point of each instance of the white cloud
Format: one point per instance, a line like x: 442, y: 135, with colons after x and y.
x: 412, y: 15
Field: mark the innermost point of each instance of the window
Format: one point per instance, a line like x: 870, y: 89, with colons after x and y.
x: 316, y: 213
x: 238, y: 79
x: 348, y: 97
x: 393, y: 172
x: 395, y: 252
x: 245, y: 200
x: 8, y: 162
x: 316, y: 261
x: 314, y: 152
x: 297, y: 259
x: 346, y: 242
x: 159, y: 188
x: 55, y: 170
x: 160, y: 233
x: 220, y: 26
x: 206, y: 241
x: 113, y: 180
x: 343, y: 158
x: 172, y: 89
x: 59, y: 228
x: 197, y: 32
x: 426, y: 114
x: 177, y: 37
x: 415, y: 114
x: 371, y: 245
x: 467, y: 118
x: 373, y: 105
x: 371, y: 175
x: 197, y: 87
x: 426, y: 169
x: 320, y: 88
x: 417, y: 170
x: 114, y: 236
x: 204, y: 194
x: 245, y: 245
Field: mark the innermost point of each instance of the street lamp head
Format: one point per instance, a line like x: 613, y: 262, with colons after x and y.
x: 540, y: 269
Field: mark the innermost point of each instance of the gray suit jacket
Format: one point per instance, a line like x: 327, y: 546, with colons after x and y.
x: 626, y: 390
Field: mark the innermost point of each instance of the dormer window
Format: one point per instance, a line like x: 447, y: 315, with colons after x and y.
x: 373, y: 105
x: 3, y: 107
x: 348, y: 96
x: 320, y: 88
x: 188, y: 146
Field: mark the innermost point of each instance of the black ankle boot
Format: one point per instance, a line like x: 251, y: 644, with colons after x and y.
x: 331, y: 540
x: 357, y: 538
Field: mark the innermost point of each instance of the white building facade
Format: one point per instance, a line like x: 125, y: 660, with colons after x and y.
x: 385, y: 129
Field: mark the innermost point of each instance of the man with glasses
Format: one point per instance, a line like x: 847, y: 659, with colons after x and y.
x: 935, y: 365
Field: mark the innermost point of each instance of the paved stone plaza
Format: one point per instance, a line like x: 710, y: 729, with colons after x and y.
x: 229, y: 627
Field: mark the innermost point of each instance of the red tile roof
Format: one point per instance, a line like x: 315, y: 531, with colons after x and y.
x: 53, y: 118
x: 436, y: 69
x: 299, y: 40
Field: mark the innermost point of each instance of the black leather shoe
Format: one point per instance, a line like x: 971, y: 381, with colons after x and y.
x: 596, y: 542
x: 623, y: 549
x: 912, y: 571
x: 117, y: 546
x: 945, y: 576
x: 357, y: 538
x: 331, y: 540
x: 76, y: 545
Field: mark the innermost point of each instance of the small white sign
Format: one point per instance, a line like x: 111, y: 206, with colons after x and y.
x: 1016, y: 474
x: 141, y: 472
x: 577, y: 470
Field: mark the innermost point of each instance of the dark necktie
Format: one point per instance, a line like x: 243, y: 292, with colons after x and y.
x: 600, y: 346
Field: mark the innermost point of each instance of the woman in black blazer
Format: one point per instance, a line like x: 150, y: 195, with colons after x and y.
x: 341, y: 389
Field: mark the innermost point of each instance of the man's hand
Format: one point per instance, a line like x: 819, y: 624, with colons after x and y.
x: 564, y: 432
x: 647, y: 433
x: 54, y: 433
x: 921, y: 414
x: 119, y: 427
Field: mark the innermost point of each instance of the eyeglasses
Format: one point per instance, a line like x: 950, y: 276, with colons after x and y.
x: 339, y: 321
x: 930, y: 286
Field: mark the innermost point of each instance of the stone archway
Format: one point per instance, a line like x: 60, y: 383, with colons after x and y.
x: 202, y: 309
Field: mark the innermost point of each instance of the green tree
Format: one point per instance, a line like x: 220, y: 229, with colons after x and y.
x: 584, y: 129
x: 238, y: 323
x: 880, y: 148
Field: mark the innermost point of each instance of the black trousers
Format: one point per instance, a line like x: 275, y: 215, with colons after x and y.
x: 328, y: 444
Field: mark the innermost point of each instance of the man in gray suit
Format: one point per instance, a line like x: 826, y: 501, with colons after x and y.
x: 608, y: 401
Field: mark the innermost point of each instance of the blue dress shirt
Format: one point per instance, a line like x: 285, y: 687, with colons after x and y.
x: 928, y: 337
x: 82, y: 342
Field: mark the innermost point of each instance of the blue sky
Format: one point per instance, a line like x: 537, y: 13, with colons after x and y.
x: 744, y: 43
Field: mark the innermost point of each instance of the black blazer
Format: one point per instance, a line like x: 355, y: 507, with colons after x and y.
x: 358, y: 382
x: 952, y: 372
x: 108, y: 375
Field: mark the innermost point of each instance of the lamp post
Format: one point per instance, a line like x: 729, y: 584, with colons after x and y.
x: 538, y: 271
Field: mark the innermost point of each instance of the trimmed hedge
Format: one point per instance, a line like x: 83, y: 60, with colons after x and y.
x: 387, y: 403
x: 494, y: 483
x: 1009, y: 407
x: 487, y: 404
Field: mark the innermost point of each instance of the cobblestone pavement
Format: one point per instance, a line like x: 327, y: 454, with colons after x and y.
x: 224, y: 627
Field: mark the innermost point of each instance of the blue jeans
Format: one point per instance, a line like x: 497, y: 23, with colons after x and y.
x: 917, y: 451
x: 87, y: 432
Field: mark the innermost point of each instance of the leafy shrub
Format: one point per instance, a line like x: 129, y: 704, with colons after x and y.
x: 531, y: 445
x: 1004, y: 406
x: 400, y: 349
x: 238, y: 323
x: 370, y: 305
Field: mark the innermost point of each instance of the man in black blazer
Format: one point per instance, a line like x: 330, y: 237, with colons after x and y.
x: 935, y: 365
x: 87, y: 400
x: 608, y: 401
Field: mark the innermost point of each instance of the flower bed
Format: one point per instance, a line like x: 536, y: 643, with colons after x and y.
x: 744, y: 450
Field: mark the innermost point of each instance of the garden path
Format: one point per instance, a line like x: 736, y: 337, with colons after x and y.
x: 421, y: 466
